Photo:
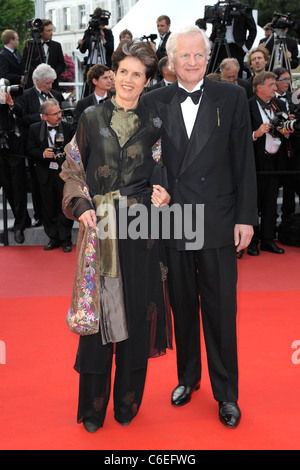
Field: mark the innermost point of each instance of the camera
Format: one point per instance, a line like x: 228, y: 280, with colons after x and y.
x: 58, y: 148
x: 281, y: 122
x: 12, y: 90
x: 36, y: 25
x: 283, y: 21
x: 150, y: 38
x: 99, y: 18
x: 224, y: 12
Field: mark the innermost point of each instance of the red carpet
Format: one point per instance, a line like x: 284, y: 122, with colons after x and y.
x: 38, y: 387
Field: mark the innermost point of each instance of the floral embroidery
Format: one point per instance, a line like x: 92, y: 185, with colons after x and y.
x: 132, y: 151
x: 164, y: 271
x: 85, y: 320
x: 74, y: 151
x: 157, y: 122
x: 104, y: 171
x: 105, y: 132
x: 156, y: 151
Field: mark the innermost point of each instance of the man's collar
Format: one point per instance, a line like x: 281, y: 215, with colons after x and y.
x: 197, y: 87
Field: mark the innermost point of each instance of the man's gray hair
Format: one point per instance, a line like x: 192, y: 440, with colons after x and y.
x: 42, y: 72
x: 48, y: 104
x: 228, y: 63
x: 193, y: 29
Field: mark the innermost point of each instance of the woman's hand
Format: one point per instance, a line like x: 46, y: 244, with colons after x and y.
x: 160, y: 196
x: 89, y: 219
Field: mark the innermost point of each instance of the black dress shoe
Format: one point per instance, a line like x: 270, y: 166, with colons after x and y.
x: 51, y: 245
x: 229, y: 414
x: 272, y: 247
x: 252, y: 249
x: 67, y: 248
x: 90, y: 426
x: 37, y: 223
x: 182, y: 394
x: 19, y: 236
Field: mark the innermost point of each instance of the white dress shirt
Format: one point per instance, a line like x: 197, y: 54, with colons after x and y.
x: 190, y: 110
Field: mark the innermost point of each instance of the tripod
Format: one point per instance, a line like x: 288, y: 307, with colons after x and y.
x: 278, y: 55
x: 96, y: 56
x: 35, y: 55
x: 220, y: 41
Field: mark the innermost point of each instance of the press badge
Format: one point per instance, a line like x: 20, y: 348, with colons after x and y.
x: 53, y: 166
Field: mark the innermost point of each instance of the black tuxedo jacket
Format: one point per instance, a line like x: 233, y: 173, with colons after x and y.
x: 83, y: 104
x: 109, y: 45
x: 292, y: 46
x: 265, y: 162
x: 215, y: 167
x: 244, y: 30
x: 30, y: 103
x: 37, y: 142
x: 55, y: 60
x: 10, y: 66
x: 247, y: 86
x: 161, y: 50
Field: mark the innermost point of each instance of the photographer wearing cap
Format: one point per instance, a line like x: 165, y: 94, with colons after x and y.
x: 45, y: 144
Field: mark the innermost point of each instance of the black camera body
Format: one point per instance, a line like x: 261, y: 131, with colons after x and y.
x: 97, y: 20
x: 58, y: 148
x: 36, y: 26
x: 281, y: 122
x: 223, y: 13
x: 12, y: 90
x: 283, y: 21
x: 150, y: 38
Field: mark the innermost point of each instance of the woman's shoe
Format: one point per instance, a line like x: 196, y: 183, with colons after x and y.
x: 90, y: 426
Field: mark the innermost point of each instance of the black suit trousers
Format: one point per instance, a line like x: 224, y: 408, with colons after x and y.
x: 205, y: 278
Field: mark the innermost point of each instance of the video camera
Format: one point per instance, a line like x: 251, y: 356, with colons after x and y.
x: 37, y: 26
x: 224, y: 12
x: 281, y: 122
x: 149, y: 38
x: 283, y: 21
x: 12, y: 90
x: 98, y: 18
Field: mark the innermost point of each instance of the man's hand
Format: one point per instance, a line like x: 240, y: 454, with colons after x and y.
x: 242, y: 236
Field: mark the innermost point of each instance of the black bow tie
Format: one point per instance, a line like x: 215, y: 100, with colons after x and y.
x: 46, y: 42
x: 50, y: 128
x: 183, y: 95
x: 103, y: 99
x: 282, y: 96
x: 45, y: 95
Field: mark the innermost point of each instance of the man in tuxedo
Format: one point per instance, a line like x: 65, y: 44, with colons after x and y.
x: 279, y: 36
x: 31, y: 101
x: 257, y: 61
x: 240, y: 32
x: 163, y: 24
x: 229, y: 69
x: 42, y: 139
x: 269, y: 153
x: 10, y: 58
x: 166, y: 74
x: 51, y: 54
x: 100, y: 81
x: 208, y: 153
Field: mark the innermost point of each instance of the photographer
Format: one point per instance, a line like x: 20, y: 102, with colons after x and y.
x: 10, y: 58
x: 12, y: 167
x: 51, y: 54
x: 268, y: 139
x: 280, y: 27
x: 97, y: 40
x: 45, y: 144
x: 236, y: 21
x: 163, y: 24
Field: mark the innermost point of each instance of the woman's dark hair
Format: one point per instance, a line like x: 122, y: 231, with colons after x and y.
x: 139, y: 50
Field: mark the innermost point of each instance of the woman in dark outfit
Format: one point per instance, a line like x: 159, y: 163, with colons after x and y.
x: 114, y: 154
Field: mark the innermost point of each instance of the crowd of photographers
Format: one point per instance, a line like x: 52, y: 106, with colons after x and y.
x: 34, y: 127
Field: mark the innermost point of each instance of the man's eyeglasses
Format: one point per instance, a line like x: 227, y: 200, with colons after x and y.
x: 54, y: 114
x: 283, y: 79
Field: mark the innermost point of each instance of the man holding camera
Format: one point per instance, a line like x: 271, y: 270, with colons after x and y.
x: 268, y: 142
x: 46, y: 141
x: 240, y: 31
x: 52, y: 55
